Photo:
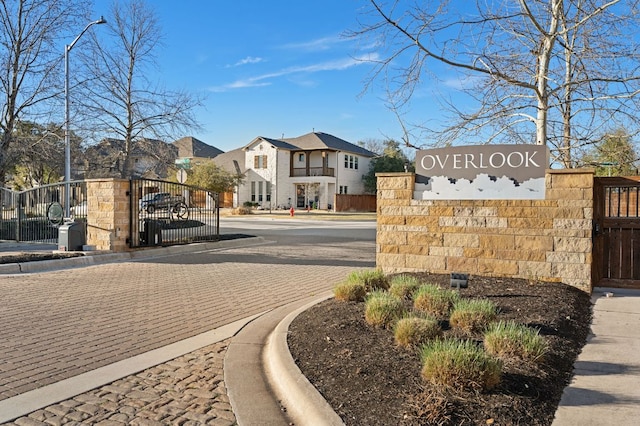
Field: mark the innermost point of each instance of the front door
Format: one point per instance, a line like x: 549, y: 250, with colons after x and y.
x: 301, y: 196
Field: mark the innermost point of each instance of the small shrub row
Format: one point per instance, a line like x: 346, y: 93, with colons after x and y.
x: 448, y: 362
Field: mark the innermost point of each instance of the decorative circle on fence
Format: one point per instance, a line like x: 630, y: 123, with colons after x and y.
x: 55, y: 213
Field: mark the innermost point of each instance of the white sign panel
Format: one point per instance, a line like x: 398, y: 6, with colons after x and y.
x: 482, y: 172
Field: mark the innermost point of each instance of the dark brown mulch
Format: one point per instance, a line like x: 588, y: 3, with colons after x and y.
x: 34, y: 257
x: 368, y: 380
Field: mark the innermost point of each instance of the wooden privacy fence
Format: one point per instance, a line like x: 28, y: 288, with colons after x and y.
x: 355, y: 203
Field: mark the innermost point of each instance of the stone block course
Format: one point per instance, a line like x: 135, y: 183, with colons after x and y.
x: 535, y: 239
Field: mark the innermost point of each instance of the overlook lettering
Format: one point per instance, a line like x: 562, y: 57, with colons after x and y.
x: 495, y: 160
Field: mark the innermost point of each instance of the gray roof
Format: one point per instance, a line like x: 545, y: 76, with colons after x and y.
x: 231, y: 161
x: 315, y: 141
x: 319, y: 140
x: 190, y: 147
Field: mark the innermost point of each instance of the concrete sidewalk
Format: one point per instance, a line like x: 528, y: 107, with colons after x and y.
x: 606, y: 387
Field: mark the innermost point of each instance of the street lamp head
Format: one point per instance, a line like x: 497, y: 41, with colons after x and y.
x: 101, y: 20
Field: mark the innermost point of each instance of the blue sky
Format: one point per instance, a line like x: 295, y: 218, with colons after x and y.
x: 271, y: 68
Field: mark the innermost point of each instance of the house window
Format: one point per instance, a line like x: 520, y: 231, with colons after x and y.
x: 343, y: 189
x: 260, y: 162
x: 350, y: 162
x: 259, y: 192
x: 268, y: 184
x: 301, y: 158
x: 253, y: 192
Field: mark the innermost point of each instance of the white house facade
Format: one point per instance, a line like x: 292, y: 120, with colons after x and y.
x: 302, y: 172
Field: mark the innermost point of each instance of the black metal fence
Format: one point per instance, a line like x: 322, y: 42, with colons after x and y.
x: 167, y: 213
x: 35, y: 215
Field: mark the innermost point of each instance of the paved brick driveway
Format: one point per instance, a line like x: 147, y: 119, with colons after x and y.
x: 59, y: 324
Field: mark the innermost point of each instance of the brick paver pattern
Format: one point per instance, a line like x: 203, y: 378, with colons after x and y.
x: 188, y: 390
x: 60, y: 324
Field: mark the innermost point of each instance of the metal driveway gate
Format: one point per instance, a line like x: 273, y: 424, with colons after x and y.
x: 35, y: 215
x: 168, y: 213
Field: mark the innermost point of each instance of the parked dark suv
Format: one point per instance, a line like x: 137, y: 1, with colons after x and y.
x: 161, y: 201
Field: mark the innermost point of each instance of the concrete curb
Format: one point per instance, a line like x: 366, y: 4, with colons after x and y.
x: 93, y: 258
x: 250, y: 387
x: 304, y: 404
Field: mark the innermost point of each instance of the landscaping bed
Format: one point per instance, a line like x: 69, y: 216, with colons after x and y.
x: 369, y: 380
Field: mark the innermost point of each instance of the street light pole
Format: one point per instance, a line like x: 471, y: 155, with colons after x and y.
x: 67, y: 138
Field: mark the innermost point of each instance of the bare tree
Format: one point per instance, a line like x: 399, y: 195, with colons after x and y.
x: 30, y: 59
x: 119, y: 99
x: 551, y: 72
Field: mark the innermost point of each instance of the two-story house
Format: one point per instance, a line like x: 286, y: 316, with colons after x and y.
x: 301, y: 172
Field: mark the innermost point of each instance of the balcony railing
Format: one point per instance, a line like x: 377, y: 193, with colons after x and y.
x: 313, y: 171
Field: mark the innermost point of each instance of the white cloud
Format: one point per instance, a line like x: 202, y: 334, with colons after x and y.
x: 248, y: 60
x: 265, y: 79
x: 319, y: 44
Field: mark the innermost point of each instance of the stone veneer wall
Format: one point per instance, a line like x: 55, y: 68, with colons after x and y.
x: 108, y: 214
x: 533, y: 239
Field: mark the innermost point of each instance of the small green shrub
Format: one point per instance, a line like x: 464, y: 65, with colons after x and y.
x: 459, y: 364
x: 349, y: 291
x: 403, y: 286
x: 473, y: 315
x: 414, y: 331
x: 512, y: 340
x: 372, y: 279
x: 382, y: 309
x: 239, y: 211
x: 434, y: 300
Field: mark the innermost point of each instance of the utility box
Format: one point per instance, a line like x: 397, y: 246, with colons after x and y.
x: 71, y: 236
x: 151, y: 234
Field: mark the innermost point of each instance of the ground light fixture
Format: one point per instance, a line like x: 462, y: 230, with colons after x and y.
x: 459, y: 280
x: 67, y: 139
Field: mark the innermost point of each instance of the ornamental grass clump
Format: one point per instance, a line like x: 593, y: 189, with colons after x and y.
x: 511, y: 340
x: 473, y: 315
x: 434, y: 300
x: 349, y: 291
x: 414, y: 331
x: 374, y: 280
x: 382, y: 309
x: 371, y: 279
x: 459, y: 364
x: 403, y: 286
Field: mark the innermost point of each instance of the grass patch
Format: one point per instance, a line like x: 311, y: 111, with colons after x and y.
x: 459, y: 364
x: 372, y: 279
x: 349, y: 291
x: 403, y: 286
x: 414, y: 331
x: 382, y: 309
x: 473, y: 315
x: 434, y: 300
x: 511, y: 340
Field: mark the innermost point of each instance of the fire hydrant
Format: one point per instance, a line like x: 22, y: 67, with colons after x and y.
x: 291, y: 211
